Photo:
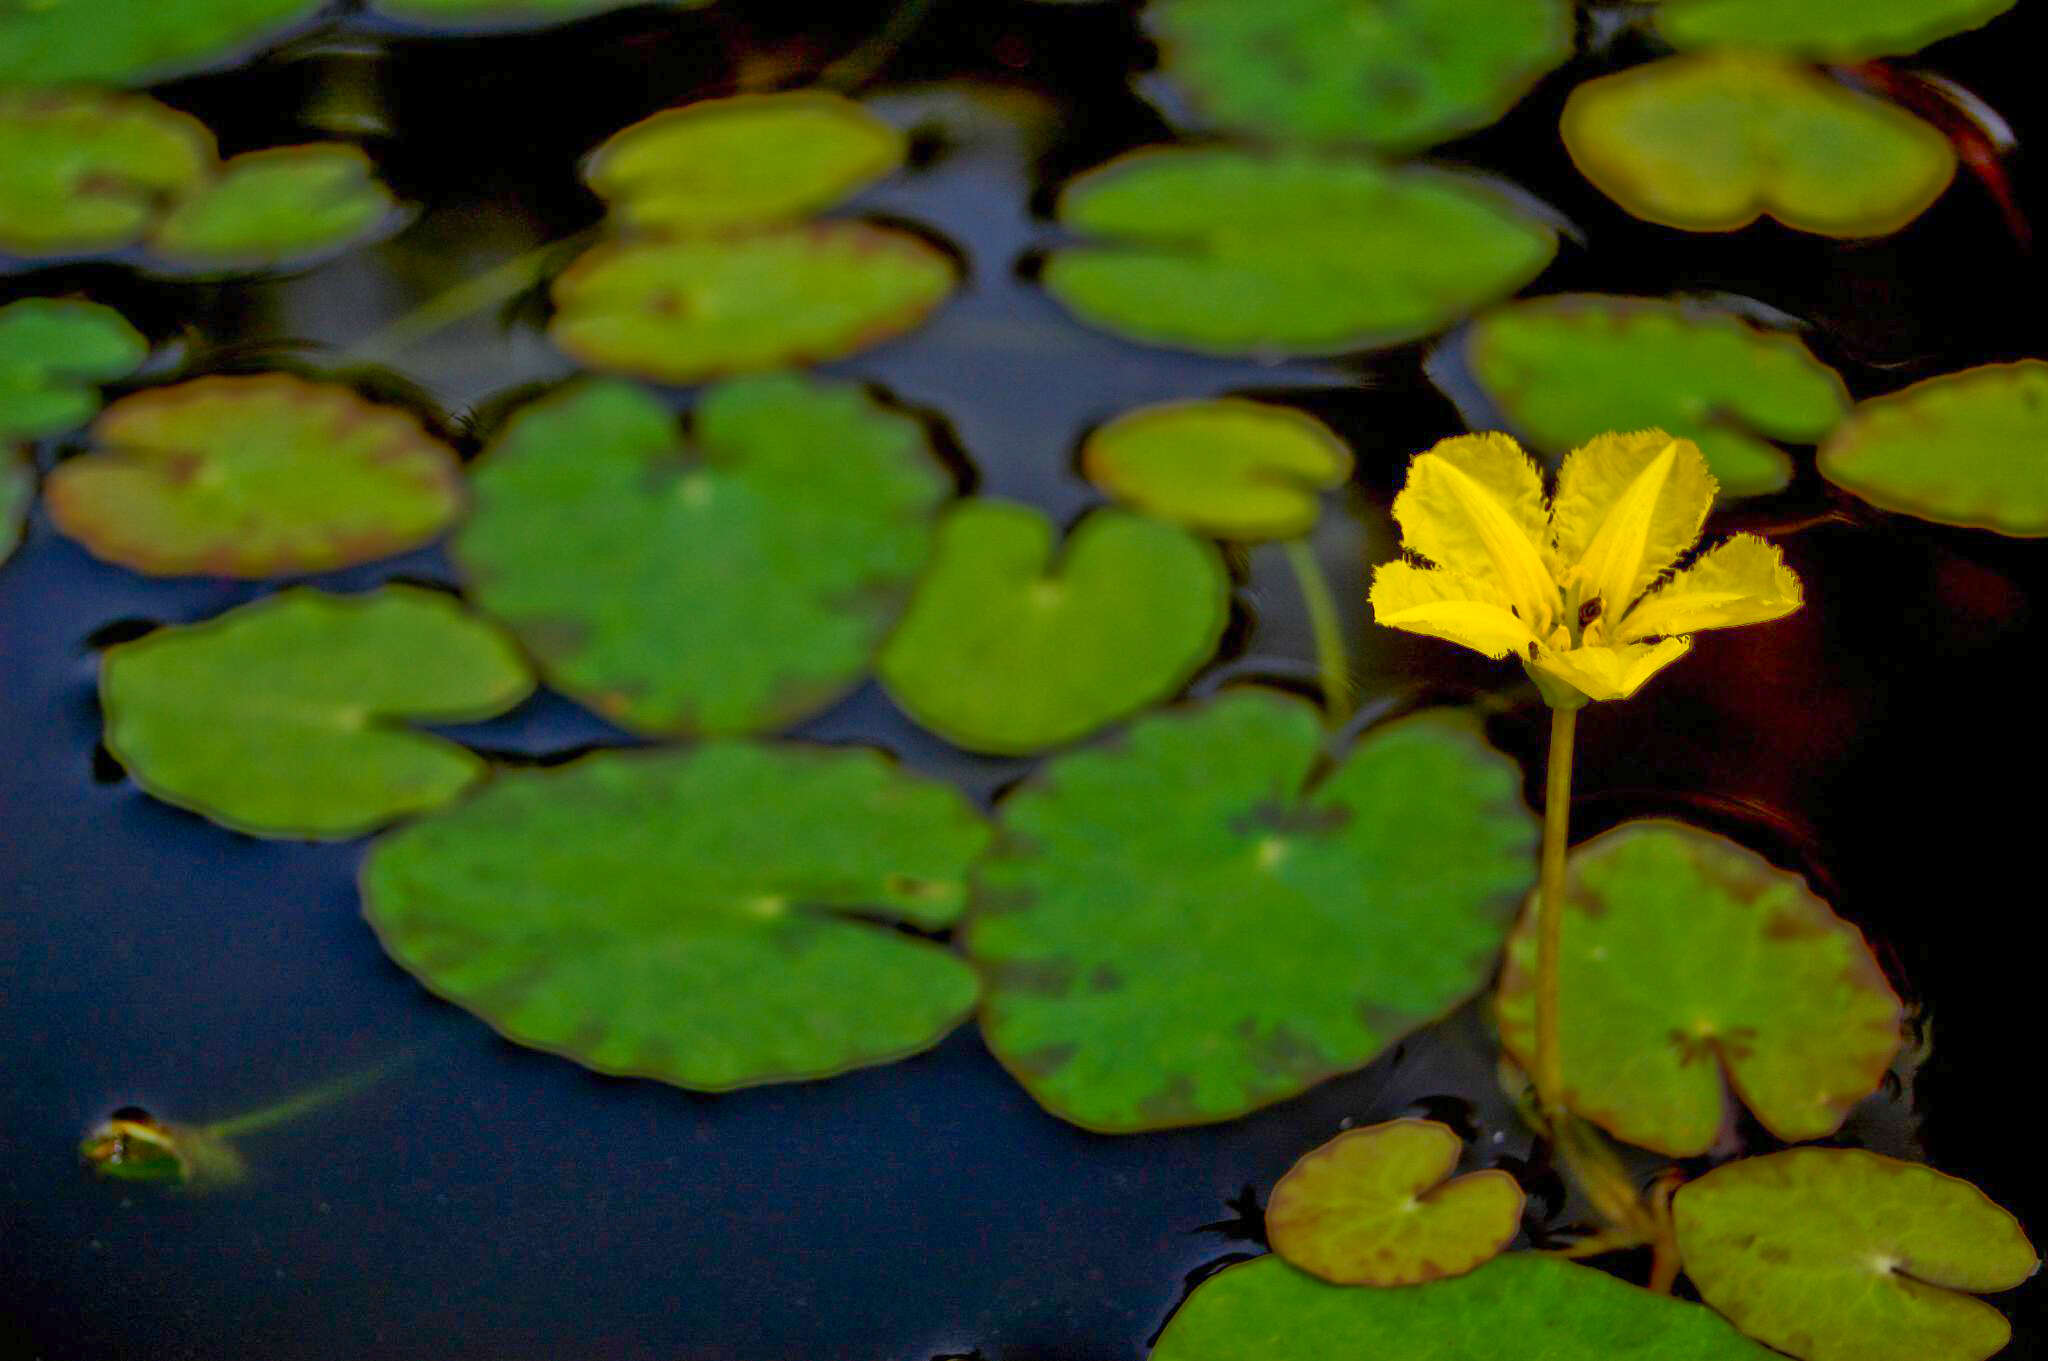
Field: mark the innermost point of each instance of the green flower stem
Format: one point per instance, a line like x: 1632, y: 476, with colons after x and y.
x: 1332, y: 664
x: 305, y: 1102
x: 1557, y: 806
x: 497, y: 285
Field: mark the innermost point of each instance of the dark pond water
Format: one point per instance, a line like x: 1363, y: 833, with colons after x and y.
x: 488, y: 1202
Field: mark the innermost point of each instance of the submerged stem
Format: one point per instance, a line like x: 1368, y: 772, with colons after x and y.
x: 1557, y: 802
x: 1333, y: 666
x: 311, y: 1099
x: 498, y: 284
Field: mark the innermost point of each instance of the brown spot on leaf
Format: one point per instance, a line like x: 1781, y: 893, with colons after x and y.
x: 1040, y: 977
x: 1043, y: 1062
x: 1172, y: 1104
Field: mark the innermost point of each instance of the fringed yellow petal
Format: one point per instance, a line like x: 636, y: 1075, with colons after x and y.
x: 1628, y: 506
x: 1474, y: 506
x: 1441, y: 605
x: 1610, y: 672
x: 1743, y: 581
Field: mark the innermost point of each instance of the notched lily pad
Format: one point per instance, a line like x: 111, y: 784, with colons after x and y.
x: 684, y: 310
x: 1690, y: 965
x: 747, y: 161
x: 253, y: 477
x: 275, y: 208
x: 696, y: 916
x: 1564, y: 369
x: 1226, y: 250
x: 1398, y: 76
x: 1968, y: 448
x: 1378, y: 1206
x: 1520, y: 1307
x: 1822, y: 30
x: 286, y: 718
x: 732, y: 583
x: 1712, y: 142
x: 134, y: 42
x: 86, y: 171
x: 1226, y: 467
x: 1005, y: 649
x: 1837, y: 1254
x: 53, y: 353
x: 1191, y: 922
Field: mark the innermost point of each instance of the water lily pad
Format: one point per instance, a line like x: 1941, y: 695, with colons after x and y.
x: 1564, y: 369
x: 253, y: 477
x: 1378, y: 1206
x: 684, y: 310
x: 1206, y: 916
x: 1822, y: 30
x: 84, y: 171
x: 134, y: 42
x: 1226, y: 467
x: 747, y: 161
x: 732, y: 583
x: 1837, y: 1254
x: 1712, y: 142
x: 1004, y: 649
x: 1692, y: 965
x: 1393, y: 75
x: 284, y: 206
x: 286, y: 718
x: 52, y: 353
x: 706, y: 917
x: 1222, y: 249
x: 1968, y: 448
x: 508, y: 13
x: 1520, y: 1307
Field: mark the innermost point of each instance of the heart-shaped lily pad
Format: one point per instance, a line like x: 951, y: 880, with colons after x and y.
x: 1222, y: 249
x: 733, y: 583
x: 1393, y: 75
x: 747, y: 161
x: 1837, y: 1254
x: 1205, y: 916
x: 253, y: 477
x: 133, y: 42
x: 1004, y: 649
x: 1226, y: 467
x: 692, y: 916
x: 1520, y: 1307
x: 1968, y: 448
x: 684, y: 310
x: 1822, y: 30
x: 1378, y: 1206
x: 1564, y: 369
x: 1692, y: 965
x: 508, y: 13
x: 1712, y: 142
x: 275, y: 208
x: 52, y: 352
x: 286, y: 717
x: 83, y: 171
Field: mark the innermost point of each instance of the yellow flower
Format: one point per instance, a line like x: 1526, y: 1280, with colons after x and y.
x: 1572, y: 588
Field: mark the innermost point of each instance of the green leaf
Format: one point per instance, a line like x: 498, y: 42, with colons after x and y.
x: 1200, y: 918
x: 734, y: 583
x: 254, y: 476
x: 1378, y: 1206
x: 1712, y: 142
x: 1968, y: 448
x: 696, y: 917
x: 1225, y: 467
x: 134, y: 42
x: 1004, y: 649
x: 52, y: 353
x: 508, y: 13
x: 747, y: 161
x: 17, y: 491
x: 85, y: 171
x: 1836, y: 1254
x: 276, y: 208
x: 1395, y: 74
x: 1564, y: 369
x: 1822, y: 30
x: 1521, y: 1307
x: 681, y: 311
x: 284, y: 718
x: 1224, y: 250
x: 1692, y: 965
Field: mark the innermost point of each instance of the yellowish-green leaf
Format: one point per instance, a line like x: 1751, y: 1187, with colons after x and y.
x: 86, y: 171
